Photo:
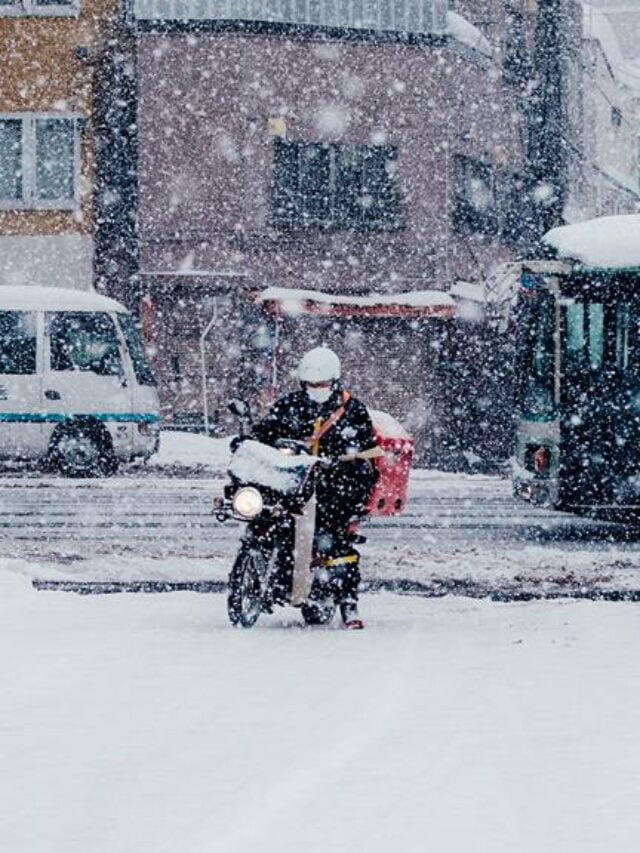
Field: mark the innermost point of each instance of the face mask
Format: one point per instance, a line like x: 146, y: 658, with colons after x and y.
x: 319, y: 395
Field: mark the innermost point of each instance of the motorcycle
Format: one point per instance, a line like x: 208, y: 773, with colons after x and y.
x: 272, y: 490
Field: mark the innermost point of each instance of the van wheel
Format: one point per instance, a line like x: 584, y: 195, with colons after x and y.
x: 82, y: 450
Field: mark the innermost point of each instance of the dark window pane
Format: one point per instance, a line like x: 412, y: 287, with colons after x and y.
x: 10, y: 159
x: 84, y: 342
x: 136, y: 351
x: 55, y: 161
x: 286, y: 182
x: 536, y: 347
x: 314, y: 183
x: 379, y: 197
x: 17, y: 342
x: 349, y: 186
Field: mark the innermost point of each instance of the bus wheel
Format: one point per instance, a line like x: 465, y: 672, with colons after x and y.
x: 82, y: 450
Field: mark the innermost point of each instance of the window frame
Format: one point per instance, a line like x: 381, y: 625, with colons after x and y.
x: 29, y: 8
x: 29, y: 200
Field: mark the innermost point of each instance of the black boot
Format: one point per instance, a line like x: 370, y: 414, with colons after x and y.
x: 350, y: 618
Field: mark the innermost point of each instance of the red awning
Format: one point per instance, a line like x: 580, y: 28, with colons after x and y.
x: 420, y: 303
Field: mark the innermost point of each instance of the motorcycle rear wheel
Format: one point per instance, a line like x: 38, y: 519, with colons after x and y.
x: 244, y: 598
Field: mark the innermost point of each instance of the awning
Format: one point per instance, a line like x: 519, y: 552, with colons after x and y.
x: 418, y: 303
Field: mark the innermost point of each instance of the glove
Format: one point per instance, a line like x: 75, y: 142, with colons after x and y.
x: 235, y: 442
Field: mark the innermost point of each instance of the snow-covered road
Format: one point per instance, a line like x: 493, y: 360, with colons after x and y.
x: 459, y: 531
x: 145, y: 723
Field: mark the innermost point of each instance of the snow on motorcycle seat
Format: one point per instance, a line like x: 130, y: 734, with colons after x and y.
x: 389, y: 495
x: 259, y: 464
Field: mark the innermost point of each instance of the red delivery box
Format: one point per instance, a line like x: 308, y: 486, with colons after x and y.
x: 389, y: 496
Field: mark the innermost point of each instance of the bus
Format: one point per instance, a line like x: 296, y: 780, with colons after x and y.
x: 577, y: 443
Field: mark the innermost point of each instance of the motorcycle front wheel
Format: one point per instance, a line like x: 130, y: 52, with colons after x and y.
x: 244, y: 598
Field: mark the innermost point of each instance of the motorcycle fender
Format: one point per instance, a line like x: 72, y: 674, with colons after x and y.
x: 303, y: 552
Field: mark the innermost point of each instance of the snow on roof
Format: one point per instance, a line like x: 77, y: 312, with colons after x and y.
x: 418, y: 302
x: 407, y: 16
x: 609, y: 241
x: 467, y: 33
x: 32, y: 298
x: 597, y: 27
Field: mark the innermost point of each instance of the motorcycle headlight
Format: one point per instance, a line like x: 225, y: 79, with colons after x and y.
x: 248, y: 502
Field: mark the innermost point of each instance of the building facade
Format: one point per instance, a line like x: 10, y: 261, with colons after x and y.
x: 345, y: 148
x: 48, y: 61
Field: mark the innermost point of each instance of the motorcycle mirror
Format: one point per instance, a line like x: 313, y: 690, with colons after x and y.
x: 240, y: 408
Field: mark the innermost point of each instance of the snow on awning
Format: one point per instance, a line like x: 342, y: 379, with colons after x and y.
x: 609, y: 242
x: 417, y: 303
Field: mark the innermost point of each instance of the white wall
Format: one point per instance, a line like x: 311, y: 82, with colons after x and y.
x: 64, y: 260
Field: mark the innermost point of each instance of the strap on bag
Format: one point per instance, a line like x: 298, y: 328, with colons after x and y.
x: 321, y: 428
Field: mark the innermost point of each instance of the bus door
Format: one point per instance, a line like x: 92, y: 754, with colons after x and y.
x: 601, y: 423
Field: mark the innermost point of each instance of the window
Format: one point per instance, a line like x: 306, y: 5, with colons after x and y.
x: 474, y: 201
x: 322, y: 185
x: 39, y: 162
x: 39, y: 7
x: 136, y: 352
x: 536, y: 353
x: 84, y: 341
x: 17, y: 343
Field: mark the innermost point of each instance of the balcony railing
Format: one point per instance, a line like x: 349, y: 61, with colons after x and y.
x: 410, y: 16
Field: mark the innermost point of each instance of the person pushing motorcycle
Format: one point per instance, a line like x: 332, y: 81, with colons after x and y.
x: 337, y: 427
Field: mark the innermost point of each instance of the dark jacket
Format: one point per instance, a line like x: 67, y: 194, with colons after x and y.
x: 294, y: 416
x: 344, y: 488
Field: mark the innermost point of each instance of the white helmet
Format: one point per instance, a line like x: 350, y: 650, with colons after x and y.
x: 319, y: 365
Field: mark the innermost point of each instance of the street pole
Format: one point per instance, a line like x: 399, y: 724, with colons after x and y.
x: 203, y: 365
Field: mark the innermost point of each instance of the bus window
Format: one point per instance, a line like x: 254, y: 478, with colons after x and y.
x: 17, y: 343
x: 537, y: 347
x: 85, y: 342
x: 575, y: 334
x: 623, y: 323
x: 596, y: 335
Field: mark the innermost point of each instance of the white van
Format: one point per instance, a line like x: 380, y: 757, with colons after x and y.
x: 75, y: 388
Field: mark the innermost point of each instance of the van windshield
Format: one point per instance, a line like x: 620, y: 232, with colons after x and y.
x: 84, y: 341
x: 136, y: 351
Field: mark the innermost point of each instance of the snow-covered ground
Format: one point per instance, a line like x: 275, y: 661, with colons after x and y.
x: 135, y: 723
x: 145, y: 724
x: 463, y: 533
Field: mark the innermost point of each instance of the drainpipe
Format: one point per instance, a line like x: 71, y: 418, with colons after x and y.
x: 203, y: 364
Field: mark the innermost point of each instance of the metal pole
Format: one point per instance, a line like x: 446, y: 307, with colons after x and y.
x: 203, y: 365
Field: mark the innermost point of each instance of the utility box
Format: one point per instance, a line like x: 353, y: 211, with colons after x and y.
x: 390, y: 493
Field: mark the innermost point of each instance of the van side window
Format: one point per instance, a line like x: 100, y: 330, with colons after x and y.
x: 17, y: 342
x: 84, y: 341
x: 136, y: 351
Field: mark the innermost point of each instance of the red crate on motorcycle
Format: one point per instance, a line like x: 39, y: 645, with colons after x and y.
x: 390, y: 493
